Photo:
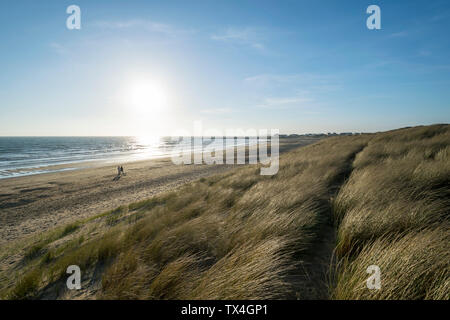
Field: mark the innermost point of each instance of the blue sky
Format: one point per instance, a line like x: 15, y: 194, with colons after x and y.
x: 297, y: 66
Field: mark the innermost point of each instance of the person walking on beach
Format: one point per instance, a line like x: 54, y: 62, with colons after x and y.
x: 121, y: 170
x: 118, y: 171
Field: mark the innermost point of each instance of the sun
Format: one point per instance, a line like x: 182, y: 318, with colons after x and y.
x: 148, y: 97
x: 148, y: 105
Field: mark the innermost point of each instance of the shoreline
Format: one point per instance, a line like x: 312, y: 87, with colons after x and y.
x: 36, y: 203
x: 85, y: 163
x: 79, y: 165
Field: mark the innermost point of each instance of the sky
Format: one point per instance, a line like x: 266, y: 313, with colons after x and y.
x: 158, y: 67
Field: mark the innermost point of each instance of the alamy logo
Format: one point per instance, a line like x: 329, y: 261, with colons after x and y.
x: 74, y: 20
x: 374, y: 281
x: 374, y: 20
x: 74, y: 281
x: 212, y: 146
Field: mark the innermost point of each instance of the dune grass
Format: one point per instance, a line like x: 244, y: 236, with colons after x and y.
x: 414, y: 265
x: 241, y: 235
x: 234, y: 236
x: 394, y: 212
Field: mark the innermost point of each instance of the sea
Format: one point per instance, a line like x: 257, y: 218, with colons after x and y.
x: 21, y: 156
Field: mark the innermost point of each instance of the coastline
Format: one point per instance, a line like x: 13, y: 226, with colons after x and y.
x: 45, y: 158
x: 36, y: 203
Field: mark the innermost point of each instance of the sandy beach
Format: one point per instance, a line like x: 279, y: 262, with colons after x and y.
x: 37, y: 203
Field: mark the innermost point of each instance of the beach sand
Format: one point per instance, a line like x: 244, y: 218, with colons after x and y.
x: 39, y: 202
x: 33, y: 204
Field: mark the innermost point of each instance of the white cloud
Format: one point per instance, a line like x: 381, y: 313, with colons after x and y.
x: 400, y: 34
x: 252, y: 37
x: 59, y: 48
x: 291, y: 91
x: 440, y: 16
x: 285, y: 102
x: 424, y: 53
x: 268, y: 79
x: 216, y: 111
x: 146, y: 25
x: 283, y: 80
